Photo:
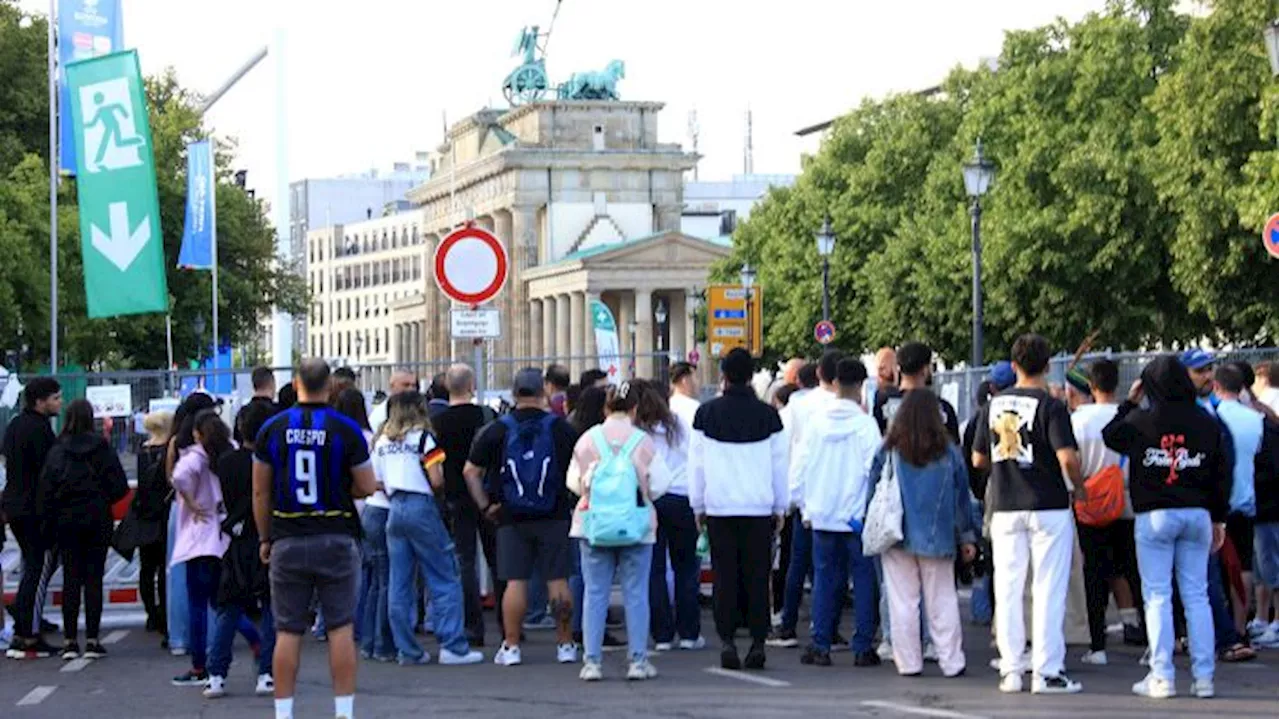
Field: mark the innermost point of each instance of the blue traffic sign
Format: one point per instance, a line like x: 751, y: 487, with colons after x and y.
x: 731, y: 314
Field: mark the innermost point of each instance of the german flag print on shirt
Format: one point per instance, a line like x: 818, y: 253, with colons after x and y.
x: 402, y: 464
x: 432, y: 456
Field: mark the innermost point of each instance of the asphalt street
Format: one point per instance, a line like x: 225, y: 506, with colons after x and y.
x: 134, y: 682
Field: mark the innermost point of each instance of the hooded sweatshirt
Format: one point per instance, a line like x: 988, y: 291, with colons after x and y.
x: 82, y: 479
x: 195, y: 538
x: 27, y: 441
x: 1177, y: 456
x: 831, y: 461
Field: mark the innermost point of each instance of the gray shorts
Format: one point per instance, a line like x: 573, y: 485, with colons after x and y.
x: 541, y: 542
x: 326, y: 566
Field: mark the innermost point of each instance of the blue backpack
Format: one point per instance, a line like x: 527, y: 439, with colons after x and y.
x: 529, y: 459
x: 616, y: 514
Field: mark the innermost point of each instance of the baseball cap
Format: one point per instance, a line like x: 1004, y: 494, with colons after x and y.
x: 1196, y: 359
x: 1002, y: 375
x: 527, y: 382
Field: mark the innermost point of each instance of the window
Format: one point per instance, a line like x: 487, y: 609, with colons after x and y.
x: 597, y: 137
x: 416, y: 240
x: 385, y: 244
x: 321, y: 352
x: 357, y: 303
x: 386, y: 338
x: 417, y: 268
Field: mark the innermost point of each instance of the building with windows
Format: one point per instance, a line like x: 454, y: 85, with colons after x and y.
x: 713, y: 209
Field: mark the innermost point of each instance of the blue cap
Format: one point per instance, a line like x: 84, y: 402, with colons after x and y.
x: 1002, y: 375
x: 1196, y: 359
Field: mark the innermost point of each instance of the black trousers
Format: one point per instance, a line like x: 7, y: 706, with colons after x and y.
x: 464, y: 525
x: 740, y: 556
x: 1109, y: 552
x: 84, y: 560
x: 151, y: 581
x: 39, y: 562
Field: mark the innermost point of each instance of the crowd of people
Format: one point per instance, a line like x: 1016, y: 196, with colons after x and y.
x: 316, y: 513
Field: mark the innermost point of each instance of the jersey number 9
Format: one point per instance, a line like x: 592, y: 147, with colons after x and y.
x: 304, y: 476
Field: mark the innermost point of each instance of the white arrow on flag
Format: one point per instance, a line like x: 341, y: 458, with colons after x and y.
x: 122, y: 246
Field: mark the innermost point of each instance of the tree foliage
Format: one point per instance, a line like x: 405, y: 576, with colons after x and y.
x: 1136, y: 163
x: 249, y: 280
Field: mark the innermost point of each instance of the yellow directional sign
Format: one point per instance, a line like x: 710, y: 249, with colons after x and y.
x: 727, y: 315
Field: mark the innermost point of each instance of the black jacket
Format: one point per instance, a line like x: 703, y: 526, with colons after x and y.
x: 1266, y: 469
x: 737, y: 417
x: 80, y: 482
x: 1177, y: 456
x: 27, y: 441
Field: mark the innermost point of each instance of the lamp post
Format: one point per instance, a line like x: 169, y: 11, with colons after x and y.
x: 826, y: 245
x: 1270, y: 36
x: 748, y: 276
x: 359, y: 346
x: 660, y: 314
x: 198, y: 325
x: 978, y: 174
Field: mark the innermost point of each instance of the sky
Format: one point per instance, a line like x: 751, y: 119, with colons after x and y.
x: 370, y: 82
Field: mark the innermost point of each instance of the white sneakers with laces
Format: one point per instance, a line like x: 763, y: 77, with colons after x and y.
x: 1097, y: 659
x: 641, y: 670
x: 507, y: 656
x: 1060, y: 684
x: 591, y: 672
x: 216, y: 688
x: 1202, y: 688
x: 448, y: 658
x: 1011, y: 683
x: 567, y: 653
x: 693, y: 645
x: 266, y: 685
x: 662, y: 647
x: 1154, y: 687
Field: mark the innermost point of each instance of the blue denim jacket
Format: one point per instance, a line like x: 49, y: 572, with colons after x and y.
x: 936, y: 505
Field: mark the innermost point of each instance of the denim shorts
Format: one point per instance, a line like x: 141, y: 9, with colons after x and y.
x: 1266, y: 554
x: 326, y: 566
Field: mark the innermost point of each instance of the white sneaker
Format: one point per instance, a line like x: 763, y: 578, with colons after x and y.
x: 775, y: 620
x: 692, y: 645
x: 1097, y: 659
x: 507, y: 656
x: 885, y: 651
x: 450, y: 659
x: 1202, y: 688
x: 266, y: 685
x: 591, y: 672
x: 1011, y: 683
x: 1266, y: 639
x: 1024, y: 663
x: 1061, y: 684
x: 930, y: 652
x: 662, y: 647
x: 1155, y: 688
x: 641, y: 670
x: 567, y: 653
x: 217, y: 687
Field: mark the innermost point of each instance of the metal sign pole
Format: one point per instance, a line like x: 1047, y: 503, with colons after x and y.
x: 477, y: 360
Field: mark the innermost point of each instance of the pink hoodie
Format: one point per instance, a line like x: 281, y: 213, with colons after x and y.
x: 193, y: 476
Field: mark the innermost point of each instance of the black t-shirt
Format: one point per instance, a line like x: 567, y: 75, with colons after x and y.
x: 489, y: 450
x: 1021, y: 430
x: 235, y: 476
x: 311, y: 449
x: 889, y: 399
x: 455, y: 428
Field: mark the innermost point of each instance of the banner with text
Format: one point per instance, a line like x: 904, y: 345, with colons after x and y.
x: 608, y: 349
x: 197, y: 231
x: 86, y: 28
x: 120, y: 240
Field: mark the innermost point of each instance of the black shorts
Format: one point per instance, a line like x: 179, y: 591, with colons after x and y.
x: 1240, y: 530
x: 541, y: 542
x: 323, y: 565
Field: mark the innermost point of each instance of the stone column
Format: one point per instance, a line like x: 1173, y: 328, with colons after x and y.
x: 690, y: 324
x: 535, y: 329
x: 524, y: 249
x: 644, y: 333
x: 549, y: 319
x: 679, y: 323
x: 417, y: 341
x: 397, y: 350
x: 564, y: 347
x: 507, y: 302
x: 626, y: 311
x: 577, y: 336
x: 589, y: 331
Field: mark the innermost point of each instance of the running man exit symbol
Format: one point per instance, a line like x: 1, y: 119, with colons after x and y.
x: 110, y: 131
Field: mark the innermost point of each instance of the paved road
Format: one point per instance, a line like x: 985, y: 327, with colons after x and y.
x: 133, y: 682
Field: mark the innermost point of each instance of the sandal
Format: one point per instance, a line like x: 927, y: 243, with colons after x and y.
x: 1237, y: 653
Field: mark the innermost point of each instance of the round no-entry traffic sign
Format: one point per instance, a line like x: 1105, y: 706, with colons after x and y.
x: 1271, y: 235
x: 824, y: 332
x: 471, y: 265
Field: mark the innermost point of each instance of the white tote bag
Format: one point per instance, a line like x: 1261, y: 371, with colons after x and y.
x: 883, y: 526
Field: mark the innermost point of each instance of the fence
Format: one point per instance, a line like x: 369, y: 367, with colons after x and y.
x: 959, y: 387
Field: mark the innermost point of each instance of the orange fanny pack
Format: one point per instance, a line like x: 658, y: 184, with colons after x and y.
x: 1104, y: 497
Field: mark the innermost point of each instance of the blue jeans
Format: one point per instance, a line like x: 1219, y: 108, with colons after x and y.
x: 599, y: 565
x: 177, y: 614
x: 1224, y: 624
x: 229, y: 618
x: 800, y: 567
x: 576, y: 586
x: 375, y: 626
x: 202, y: 587
x: 1177, y: 541
x: 677, y: 536
x: 832, y: 553
x: 416, y: 537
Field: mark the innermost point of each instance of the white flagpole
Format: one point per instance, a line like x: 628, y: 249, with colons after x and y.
x: 53, y: 197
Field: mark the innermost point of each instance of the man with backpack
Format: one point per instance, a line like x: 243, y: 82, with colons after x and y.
x: 516, y: 475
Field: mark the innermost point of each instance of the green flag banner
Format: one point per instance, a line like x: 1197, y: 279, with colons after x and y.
x: 120, y: 240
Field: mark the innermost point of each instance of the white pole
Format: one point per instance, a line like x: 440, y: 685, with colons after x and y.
x: 168, y: 340
x: 53, y: 196
x: 281, y: 322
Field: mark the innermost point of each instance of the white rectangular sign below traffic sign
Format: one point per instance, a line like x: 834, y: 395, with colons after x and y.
x: 484, y: 323
x: 110, y: 400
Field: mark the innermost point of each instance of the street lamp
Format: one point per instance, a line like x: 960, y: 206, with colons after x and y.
x: 660, y: 314
x: 826, y: 245
x: 1269, y: 35
x: 198, y: 325
x: 978, y: 174
x: 359, y: 345
x: 748, y: 275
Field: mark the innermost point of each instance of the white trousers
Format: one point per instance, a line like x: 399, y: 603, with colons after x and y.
x: 1045, y: 538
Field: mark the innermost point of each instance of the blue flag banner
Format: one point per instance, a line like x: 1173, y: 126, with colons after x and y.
x: 197, y: 232
x: 86, y: 28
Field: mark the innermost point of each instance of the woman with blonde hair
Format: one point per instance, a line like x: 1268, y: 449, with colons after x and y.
x: 150, y: 509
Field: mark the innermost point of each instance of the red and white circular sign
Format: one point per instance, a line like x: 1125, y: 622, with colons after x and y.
x: 471, y: 265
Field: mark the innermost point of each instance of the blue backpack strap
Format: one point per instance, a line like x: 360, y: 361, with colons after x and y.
x: 633, y: 441
x: 602, y: 445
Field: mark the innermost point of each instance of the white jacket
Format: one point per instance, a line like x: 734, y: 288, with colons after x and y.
x: 831, y: 462
x: 737, y: 458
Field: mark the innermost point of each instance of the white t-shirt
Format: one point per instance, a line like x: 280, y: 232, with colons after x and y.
x: 684, y: 408
x: 1087, y: 423
x: 378, y: 498
x: 401, y: 464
